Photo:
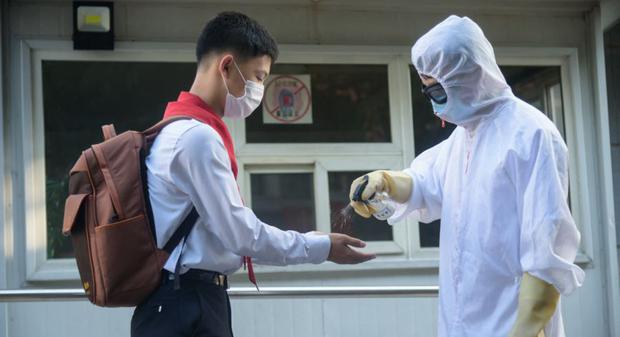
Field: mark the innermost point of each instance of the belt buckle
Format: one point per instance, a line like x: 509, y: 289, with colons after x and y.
x: 220, y: 280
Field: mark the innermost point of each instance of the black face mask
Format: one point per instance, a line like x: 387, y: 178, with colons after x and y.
x: 435, y: 93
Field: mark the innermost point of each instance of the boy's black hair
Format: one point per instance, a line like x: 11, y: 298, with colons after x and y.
x: 236, y: 33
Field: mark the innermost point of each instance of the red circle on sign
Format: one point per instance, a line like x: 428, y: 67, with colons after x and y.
x: 271, y: 111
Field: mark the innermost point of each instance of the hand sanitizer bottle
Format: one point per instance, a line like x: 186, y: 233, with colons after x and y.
x: 380, y: 202
x: 383, y: 208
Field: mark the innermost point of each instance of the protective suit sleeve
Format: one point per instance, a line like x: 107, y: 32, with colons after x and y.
x: 549, y: 238
x: 425, y: 201
x: 537, y: 303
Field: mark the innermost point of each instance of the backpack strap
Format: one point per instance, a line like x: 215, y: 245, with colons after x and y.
x: 163, y: 123
x: 188, y: 223
x: 179, y: 234
x: 182, y: 232
x: 151, y: 133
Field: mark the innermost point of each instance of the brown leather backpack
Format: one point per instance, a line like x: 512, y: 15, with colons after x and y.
x: 109, y: 218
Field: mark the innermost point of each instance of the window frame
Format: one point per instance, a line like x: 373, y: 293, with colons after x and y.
x: 29, y: 128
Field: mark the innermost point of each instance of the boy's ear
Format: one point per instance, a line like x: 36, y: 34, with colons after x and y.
x: 225, y: 64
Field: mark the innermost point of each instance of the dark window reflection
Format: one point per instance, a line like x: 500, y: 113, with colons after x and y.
x: 79, y: 97
x: 539, y: 86
x: 284, y: 200
x: 365, y: 229
x: 612, y: 62
x: 350, y: 104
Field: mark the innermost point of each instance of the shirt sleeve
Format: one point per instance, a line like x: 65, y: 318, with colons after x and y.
x: 425, y: 202
x: 201, y: 168
x: 549, y: 237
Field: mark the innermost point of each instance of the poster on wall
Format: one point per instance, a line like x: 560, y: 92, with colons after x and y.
x: 287, y: 100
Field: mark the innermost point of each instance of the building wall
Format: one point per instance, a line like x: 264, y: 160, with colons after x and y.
x: 397, y: 23
x: 303, y: 24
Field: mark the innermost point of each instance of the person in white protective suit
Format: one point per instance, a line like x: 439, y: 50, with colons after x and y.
x: 499, y: 184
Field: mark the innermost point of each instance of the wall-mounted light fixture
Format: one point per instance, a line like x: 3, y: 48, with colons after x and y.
x: 93, y: 25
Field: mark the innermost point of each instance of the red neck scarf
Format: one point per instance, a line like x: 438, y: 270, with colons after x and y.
x: 193, y: 106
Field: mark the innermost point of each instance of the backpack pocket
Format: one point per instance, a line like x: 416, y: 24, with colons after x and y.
x: 73, y: 205
x: 75, y: 224
x: 128, y: 259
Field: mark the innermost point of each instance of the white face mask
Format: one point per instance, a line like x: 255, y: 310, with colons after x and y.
x: 242, y: 107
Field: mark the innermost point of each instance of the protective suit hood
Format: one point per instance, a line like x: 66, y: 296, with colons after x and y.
x: 458, y: 55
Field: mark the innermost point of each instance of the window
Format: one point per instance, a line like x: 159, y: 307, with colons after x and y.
x: 349, y: 105
x: 349, y: 222
x: 354, y: 128
x: 284, y: 200
x: 540, y: 86
x: 295, y: 176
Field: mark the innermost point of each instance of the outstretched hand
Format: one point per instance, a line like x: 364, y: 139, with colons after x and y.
x: 342, y: 253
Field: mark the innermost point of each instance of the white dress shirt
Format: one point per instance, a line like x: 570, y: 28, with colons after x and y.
x: 188, y: 165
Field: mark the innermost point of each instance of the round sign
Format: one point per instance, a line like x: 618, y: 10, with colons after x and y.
x: 287, y: 98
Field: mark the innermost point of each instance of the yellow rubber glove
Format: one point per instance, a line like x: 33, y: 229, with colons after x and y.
x: 537, y: 302
x: 397, y: 184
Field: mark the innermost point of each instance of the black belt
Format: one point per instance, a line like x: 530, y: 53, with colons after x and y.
x: 197, y: 275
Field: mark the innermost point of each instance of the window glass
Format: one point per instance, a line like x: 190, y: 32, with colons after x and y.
x: 284, y: 200
x: 350, y: 104
x: 540, y: 86
x: 612, y: 65
x: 365, y: 229
x: 79, y: 97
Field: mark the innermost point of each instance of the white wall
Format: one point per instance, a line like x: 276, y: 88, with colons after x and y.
x: 552, y: 24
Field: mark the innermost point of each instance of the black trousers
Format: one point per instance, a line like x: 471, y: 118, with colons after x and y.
x: 197, y: 309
